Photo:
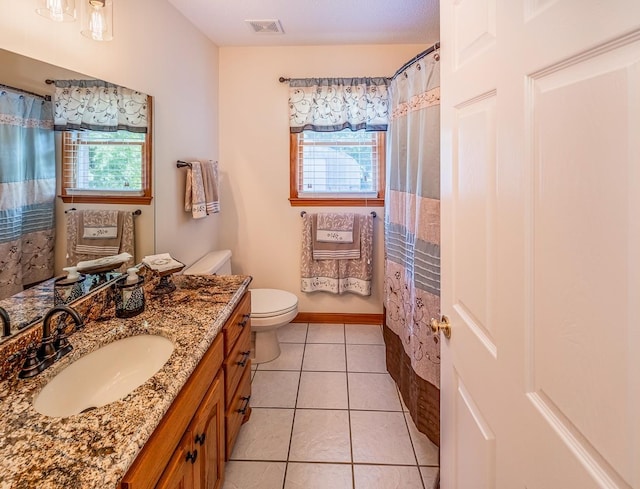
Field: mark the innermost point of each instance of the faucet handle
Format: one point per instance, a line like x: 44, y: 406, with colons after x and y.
x: 62, y: 345
x: 31, y: 365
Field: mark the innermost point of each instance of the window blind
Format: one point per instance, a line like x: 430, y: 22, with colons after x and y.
x: 339, y: 164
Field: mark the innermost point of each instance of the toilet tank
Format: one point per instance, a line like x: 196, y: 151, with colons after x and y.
x: 213, y: 263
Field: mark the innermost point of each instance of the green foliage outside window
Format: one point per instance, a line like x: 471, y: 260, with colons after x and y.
x: 110, y: 161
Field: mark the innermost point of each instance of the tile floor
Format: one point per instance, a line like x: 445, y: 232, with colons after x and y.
x: 326, y: 414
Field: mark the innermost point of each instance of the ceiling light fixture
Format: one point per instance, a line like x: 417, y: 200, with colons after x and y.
x: 97, y: 19
x: 57, y: 10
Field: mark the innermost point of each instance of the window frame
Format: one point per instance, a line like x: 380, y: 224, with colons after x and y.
x: 350, y: 201
x: 103, y: 197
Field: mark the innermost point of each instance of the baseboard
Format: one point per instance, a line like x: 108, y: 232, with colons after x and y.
x: 337, y: 318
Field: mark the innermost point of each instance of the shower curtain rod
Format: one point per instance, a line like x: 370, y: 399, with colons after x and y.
x: 9, y: 87
x: 424, y: 53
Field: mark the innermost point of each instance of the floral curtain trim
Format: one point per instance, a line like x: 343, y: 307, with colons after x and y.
x: 417, y: 102
x: 334, y: 104
x: 98, y: 106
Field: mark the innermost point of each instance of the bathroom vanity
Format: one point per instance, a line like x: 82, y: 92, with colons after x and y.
x: 175, y: 430
x: 200, y: 424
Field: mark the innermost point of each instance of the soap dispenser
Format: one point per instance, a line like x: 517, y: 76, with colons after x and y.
x: 129, y: 294
x: 69, y: 288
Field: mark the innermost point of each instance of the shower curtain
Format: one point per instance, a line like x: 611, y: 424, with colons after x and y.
x: 27, y: 190
x: 412, y: 237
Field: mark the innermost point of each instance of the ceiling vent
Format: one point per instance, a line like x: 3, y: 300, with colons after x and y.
x: 265, y: 26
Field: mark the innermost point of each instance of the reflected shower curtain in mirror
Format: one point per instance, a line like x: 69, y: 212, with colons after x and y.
x: 412, y: 240
x: 27, y: 191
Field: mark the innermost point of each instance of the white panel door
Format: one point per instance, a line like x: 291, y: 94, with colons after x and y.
x: 540, y: 244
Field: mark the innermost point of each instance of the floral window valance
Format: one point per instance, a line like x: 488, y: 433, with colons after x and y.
x: 334, y: 104
x: 98, y: 106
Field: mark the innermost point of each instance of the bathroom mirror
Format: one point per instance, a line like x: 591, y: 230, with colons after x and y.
x: 30, y: 306
x: 27, y: 307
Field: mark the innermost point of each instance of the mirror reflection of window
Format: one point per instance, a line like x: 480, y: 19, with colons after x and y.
x: 105, y: 163
x: 106, y: 150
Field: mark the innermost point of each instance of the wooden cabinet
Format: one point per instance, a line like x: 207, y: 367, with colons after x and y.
x: 237, y: 369
x: 238, y: 411
x: 207, y: 427
x: 188, y: 448
x: 179, y: 473
x: 198, y: 462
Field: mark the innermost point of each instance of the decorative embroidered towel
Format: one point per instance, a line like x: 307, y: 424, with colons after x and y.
x: 337, y: 276
x: 332, y: 227
x: 127, y: 240
x: 336, y: 250
x: 194, y: 198
x: 210, y: 181
x: 99, y: 232
x: 161, y: 262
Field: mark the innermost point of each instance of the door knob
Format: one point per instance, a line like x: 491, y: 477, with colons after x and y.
x: 443, y: 326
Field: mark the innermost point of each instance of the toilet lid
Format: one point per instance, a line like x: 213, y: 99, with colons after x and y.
x: 271, y: 302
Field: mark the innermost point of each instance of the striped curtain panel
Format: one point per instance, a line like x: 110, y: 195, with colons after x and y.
x: 412, y: 240
x: 27, y: 191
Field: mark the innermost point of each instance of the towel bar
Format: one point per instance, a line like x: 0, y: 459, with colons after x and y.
x: 137, y: 212
x: 373, y: 214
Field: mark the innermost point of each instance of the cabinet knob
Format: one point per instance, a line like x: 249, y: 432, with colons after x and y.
x: 245, y: 319
x: 192, y: 456
x: 200, y: 438
x: 243, y: 409
x: 245, y: 357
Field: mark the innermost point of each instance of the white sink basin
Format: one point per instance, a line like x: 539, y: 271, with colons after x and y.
x: 104, y: 376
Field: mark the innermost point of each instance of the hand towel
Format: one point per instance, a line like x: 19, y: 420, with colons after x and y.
x: 333, y: 227
x: 115, y: 260
x: 161, y: 262
x: 338, y: 276
x: 210, y: 181
x: 336, y: 250
x: 99, y: 232
x: 194, y: 198
x: 127, y: 239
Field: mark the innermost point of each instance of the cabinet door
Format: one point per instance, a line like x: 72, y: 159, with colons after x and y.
x: 179, y: 473
x: 208, y: 437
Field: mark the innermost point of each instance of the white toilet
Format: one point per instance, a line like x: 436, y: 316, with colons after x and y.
x: 270, y: 308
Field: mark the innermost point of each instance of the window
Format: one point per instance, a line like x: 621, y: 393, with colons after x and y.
x: 344, y: 168
x: 106, y: 167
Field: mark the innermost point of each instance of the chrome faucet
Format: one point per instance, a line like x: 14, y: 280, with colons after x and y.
x: 6, y: 325
x: 52, y: 347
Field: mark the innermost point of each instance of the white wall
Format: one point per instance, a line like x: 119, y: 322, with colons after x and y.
x: 157, y: 51
x: 257, y: 222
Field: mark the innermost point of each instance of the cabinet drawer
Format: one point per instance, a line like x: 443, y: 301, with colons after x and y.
x: 239, y: 321
x: 238, y: 410
x: 236, y: 363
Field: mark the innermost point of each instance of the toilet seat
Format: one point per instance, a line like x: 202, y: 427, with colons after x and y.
x: 266, y: 303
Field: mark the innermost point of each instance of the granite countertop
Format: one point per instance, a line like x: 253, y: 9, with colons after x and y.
x: 30, y: 305
x: 96, y: 448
